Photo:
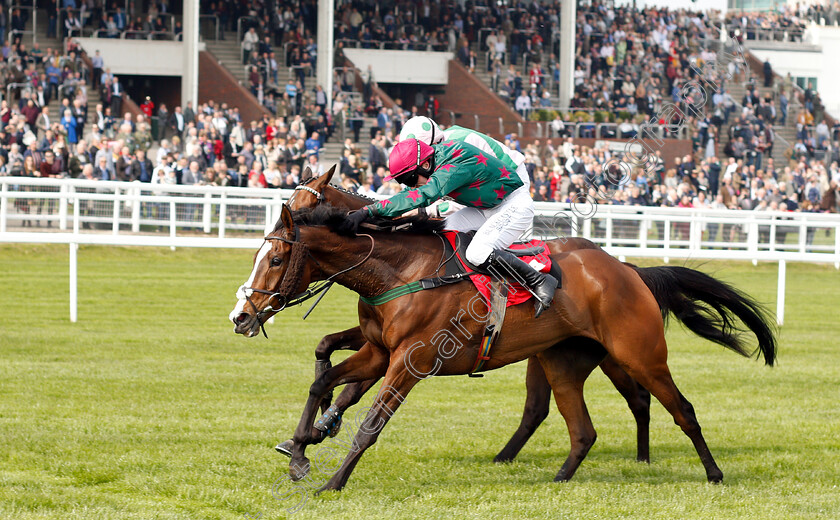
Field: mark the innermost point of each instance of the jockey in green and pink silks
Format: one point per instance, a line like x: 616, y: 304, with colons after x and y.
x: 495, y: 192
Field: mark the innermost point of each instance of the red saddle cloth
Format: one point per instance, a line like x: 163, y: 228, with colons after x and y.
x: 516, y: 292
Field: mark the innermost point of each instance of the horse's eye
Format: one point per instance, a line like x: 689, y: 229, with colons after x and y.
x: 276, y: 261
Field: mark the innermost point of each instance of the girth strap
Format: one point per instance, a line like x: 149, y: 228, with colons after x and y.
x: 413, y: 287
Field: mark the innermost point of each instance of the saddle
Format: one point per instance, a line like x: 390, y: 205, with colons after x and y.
x: 498, y: 293
x: 457, y: 267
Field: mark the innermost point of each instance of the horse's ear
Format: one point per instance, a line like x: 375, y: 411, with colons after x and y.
x: 327, y: 177
x: 286, y: 217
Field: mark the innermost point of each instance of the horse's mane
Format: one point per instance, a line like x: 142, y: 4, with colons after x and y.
x: 332, y: 216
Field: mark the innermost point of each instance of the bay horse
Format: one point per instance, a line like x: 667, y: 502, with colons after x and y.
x: 538, y: 391
x: 604, y: 307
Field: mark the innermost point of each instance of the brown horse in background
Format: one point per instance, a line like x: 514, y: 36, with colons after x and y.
x: 604, y: 307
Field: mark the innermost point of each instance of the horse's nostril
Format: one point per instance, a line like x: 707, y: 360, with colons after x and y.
x: 242, y: 317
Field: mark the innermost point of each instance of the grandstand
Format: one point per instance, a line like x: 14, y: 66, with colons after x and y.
x: 501, y: 73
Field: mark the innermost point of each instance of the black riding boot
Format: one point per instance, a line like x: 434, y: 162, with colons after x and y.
x: 510, y: 266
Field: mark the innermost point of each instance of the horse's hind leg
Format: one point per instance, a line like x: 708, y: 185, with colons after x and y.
x: 650, y: 369
x: 350, y: 339
x: 537, y: 403
x: 638, y: 399
x: 567, y: 366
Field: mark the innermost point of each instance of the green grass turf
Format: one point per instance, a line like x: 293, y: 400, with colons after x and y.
x: 150, y: 407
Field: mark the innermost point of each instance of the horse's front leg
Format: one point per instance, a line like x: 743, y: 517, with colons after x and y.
x: 396, y: 386
x: 330, y: 422
x: 368, y: 363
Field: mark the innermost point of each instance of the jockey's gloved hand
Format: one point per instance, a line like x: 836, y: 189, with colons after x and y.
x: 350, y: 226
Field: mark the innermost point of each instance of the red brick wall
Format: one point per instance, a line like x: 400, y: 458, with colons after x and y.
x: 216, y: 83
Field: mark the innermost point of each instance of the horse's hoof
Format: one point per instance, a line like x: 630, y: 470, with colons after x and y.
x: 502, y: 459
x: 715, y: 478
x: 299, y: 470
x: 285, y: 448
x: 329, y: 486
x: 562, y: 476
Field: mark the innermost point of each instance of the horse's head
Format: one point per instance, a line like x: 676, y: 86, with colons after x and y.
x: 281, y: 271
x: 310, y: 193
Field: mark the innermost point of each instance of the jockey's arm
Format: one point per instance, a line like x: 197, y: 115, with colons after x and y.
x: 440, y: 183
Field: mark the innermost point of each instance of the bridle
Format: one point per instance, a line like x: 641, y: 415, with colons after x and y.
x: 298, y: 258
x: 318, y: 195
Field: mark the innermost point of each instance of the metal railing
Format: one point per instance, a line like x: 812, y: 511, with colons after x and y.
x: 394, y: 45
x: 202, y: 20
x: 286, y: 52
x: 239, y: 34
x: 20, y: 86
x: 777, y: 34
x: 33, y: 19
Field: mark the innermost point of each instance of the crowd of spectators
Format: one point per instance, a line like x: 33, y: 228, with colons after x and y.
x: 212, y: 145
x: 800, y: 185
x: 31, y: 78
x: 109, y: 19
x: 786, y: 23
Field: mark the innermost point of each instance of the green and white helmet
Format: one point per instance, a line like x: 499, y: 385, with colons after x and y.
x: 423, y: 129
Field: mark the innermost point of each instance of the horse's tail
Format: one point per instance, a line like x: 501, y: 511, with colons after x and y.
x: 709, y: 308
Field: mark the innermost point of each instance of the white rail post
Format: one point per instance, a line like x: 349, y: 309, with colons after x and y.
x: 278, y: 209
x: 74, y: 247
x: 4, y: 204
x: 62, y: 208
x: 76, y: 212
x: 667, y: 239
x: 116, y: 226
x: 752, y: 238
x: 269, y: 224
x: 172, y: 221
x: 837, y: 245
x: 643, y: 231
x: 208, y: 197
x: 135, y: 211
x: 609, y: 231
x: 697, y: 223
x: 222, y: 214
x: 780, y: 297
x: 803, y: 232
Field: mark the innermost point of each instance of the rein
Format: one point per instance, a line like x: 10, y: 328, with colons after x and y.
x: 291, y: 279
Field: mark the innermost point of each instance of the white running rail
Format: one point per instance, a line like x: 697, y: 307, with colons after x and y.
x: 73, y: 212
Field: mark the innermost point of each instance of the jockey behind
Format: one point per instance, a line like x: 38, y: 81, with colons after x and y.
x: 498, y: 204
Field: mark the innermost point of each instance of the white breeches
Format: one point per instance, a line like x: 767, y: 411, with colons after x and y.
x: 497, y: 227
